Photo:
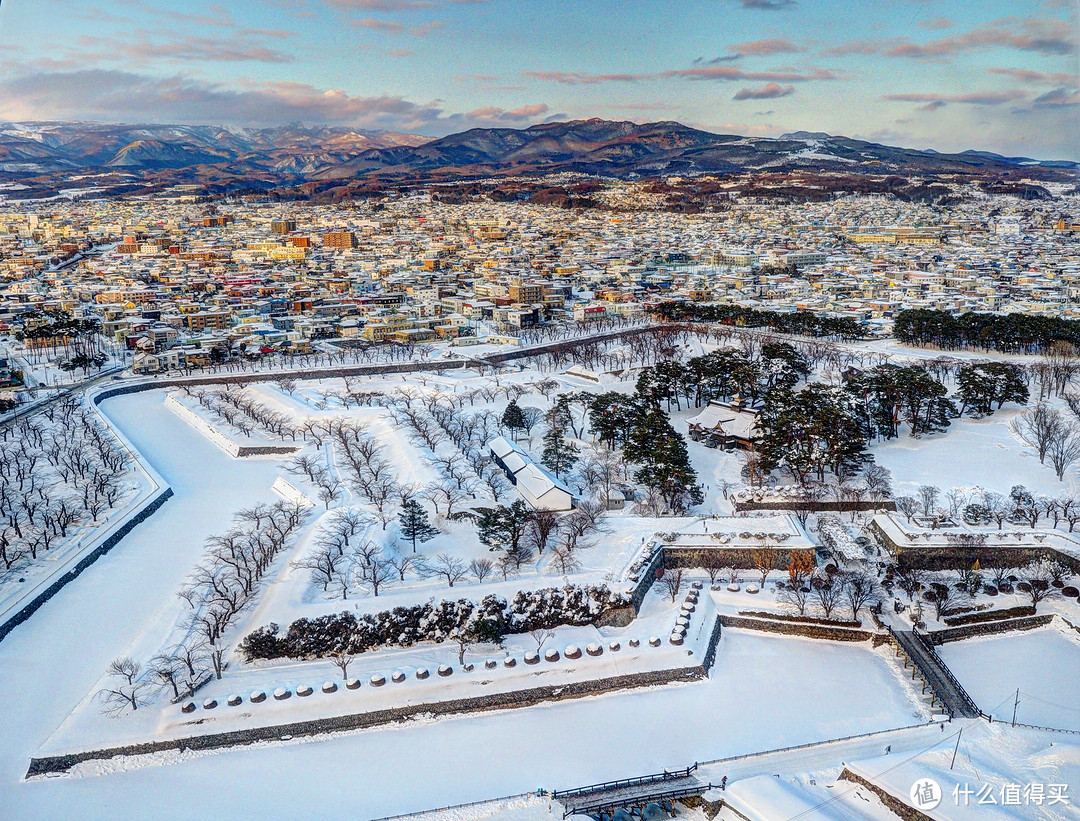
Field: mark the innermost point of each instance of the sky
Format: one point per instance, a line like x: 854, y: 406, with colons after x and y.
x: 998, y: 75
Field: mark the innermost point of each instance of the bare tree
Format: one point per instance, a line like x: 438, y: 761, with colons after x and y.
x: 928, y: 496
x: 541, y: 526
x: 481, y: 568
x: 448, y: 567
x: 374, y: 572
x: 125, y: 688
x: 860, y: 589
x: 907, y: 505
x: 1038, y: 427
x: 404, y: 562
x: 672, y: 582
x: 540, y: 636
x: 1064, y: 448
x: 795, y: 596
x: 342, y: 660
x: 1036, y: 578
x: 826, y: 591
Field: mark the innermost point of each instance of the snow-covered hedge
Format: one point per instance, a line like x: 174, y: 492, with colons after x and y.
x: 438, y: 621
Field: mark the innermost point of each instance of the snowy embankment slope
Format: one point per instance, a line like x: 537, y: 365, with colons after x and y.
x: 1043, y: 664
x: 144, y: 485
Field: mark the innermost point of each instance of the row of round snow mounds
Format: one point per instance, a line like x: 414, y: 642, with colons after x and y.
x: 571, y: 651
x: 734, y: 588
x: 686, y: 612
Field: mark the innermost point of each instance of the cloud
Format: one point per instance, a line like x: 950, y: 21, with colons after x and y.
x: 971, y: 98
x: 858, y: 47
x: 1059, y: 97
x: 758, y: 48
x: 394, y: 27
x: 1024, y: 75
x: 766, y: 5
x: 729, y: 73
x: 382, y: 5
x: 120, y: 96
x: 937, y: 23
x: 141, y: 49
x: 495, y: 115
x: 768, y: 91
x: 578, y: 78
x: 1053, y: 37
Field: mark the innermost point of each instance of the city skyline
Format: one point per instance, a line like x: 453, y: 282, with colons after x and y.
x: 990, y: 75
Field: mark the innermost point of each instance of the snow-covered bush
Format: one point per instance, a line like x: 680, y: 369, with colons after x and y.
x: 438, y: 621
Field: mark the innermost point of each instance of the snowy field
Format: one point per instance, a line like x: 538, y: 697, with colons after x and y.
x: 757, y: 698
x: 1044, y: 664
x: 380, y: 772
x: 971, y: 454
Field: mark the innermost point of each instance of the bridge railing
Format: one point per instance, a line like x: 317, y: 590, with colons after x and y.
x: 928, y: 645
x: 621, y: 783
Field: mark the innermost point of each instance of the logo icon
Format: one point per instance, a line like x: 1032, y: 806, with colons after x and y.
x: 925, y: 794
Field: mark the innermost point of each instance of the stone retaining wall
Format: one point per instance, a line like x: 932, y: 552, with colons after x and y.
x: 952, y: 557
x: 495, y: 701
x: 810, y: 631
x: 898, y: 807
x: 108, y: 544
x: 821, y: 506
x: 739, y: 557
x: 231, y: 447
x: 988, y: 628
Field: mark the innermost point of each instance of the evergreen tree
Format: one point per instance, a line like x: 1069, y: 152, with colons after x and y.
x: 502, y: 527
x: 513, y: 419
x: 559, y: 453
x: 414, y: 523
x: 980, y: 386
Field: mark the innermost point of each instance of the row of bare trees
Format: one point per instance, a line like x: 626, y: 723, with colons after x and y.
x: 217, y: 590
x: 58, y: 469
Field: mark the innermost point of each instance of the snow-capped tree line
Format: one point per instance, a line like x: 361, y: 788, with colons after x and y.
x: 59, y: 470
x: 951, y: 593
x: 227, y: 580
x: 487, y: 621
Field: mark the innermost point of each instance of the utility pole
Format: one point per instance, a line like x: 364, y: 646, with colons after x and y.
x: 957, y: 747
x: 1016, y: 703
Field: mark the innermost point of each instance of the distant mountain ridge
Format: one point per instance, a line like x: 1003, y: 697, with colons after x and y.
x: 49, y: 147
x: 47, y: 154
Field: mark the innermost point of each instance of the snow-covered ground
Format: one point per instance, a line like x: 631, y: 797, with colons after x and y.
x: 1043, y: 664
x: 794, y: 689
x: 969, y: 455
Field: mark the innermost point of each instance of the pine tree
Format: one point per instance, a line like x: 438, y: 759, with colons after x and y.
x: 559, y: 453
x: 513, y: 418
x: 414, y: 523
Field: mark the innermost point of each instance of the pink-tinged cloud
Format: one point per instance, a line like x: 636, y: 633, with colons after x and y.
x: 758, y: 48
x: 1055, y: 37
x: 971, y: 98
x: 769, y: 91
x: 730, y: 73
x: 937, y: 23
x: 580, y: 78
x: 382, y: 5
x: 1024, y: 75
x: 494, y: 114
x: 141, y: 47
x: 391, y: 26
x: 394, y: 27
x: 118, y: 96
